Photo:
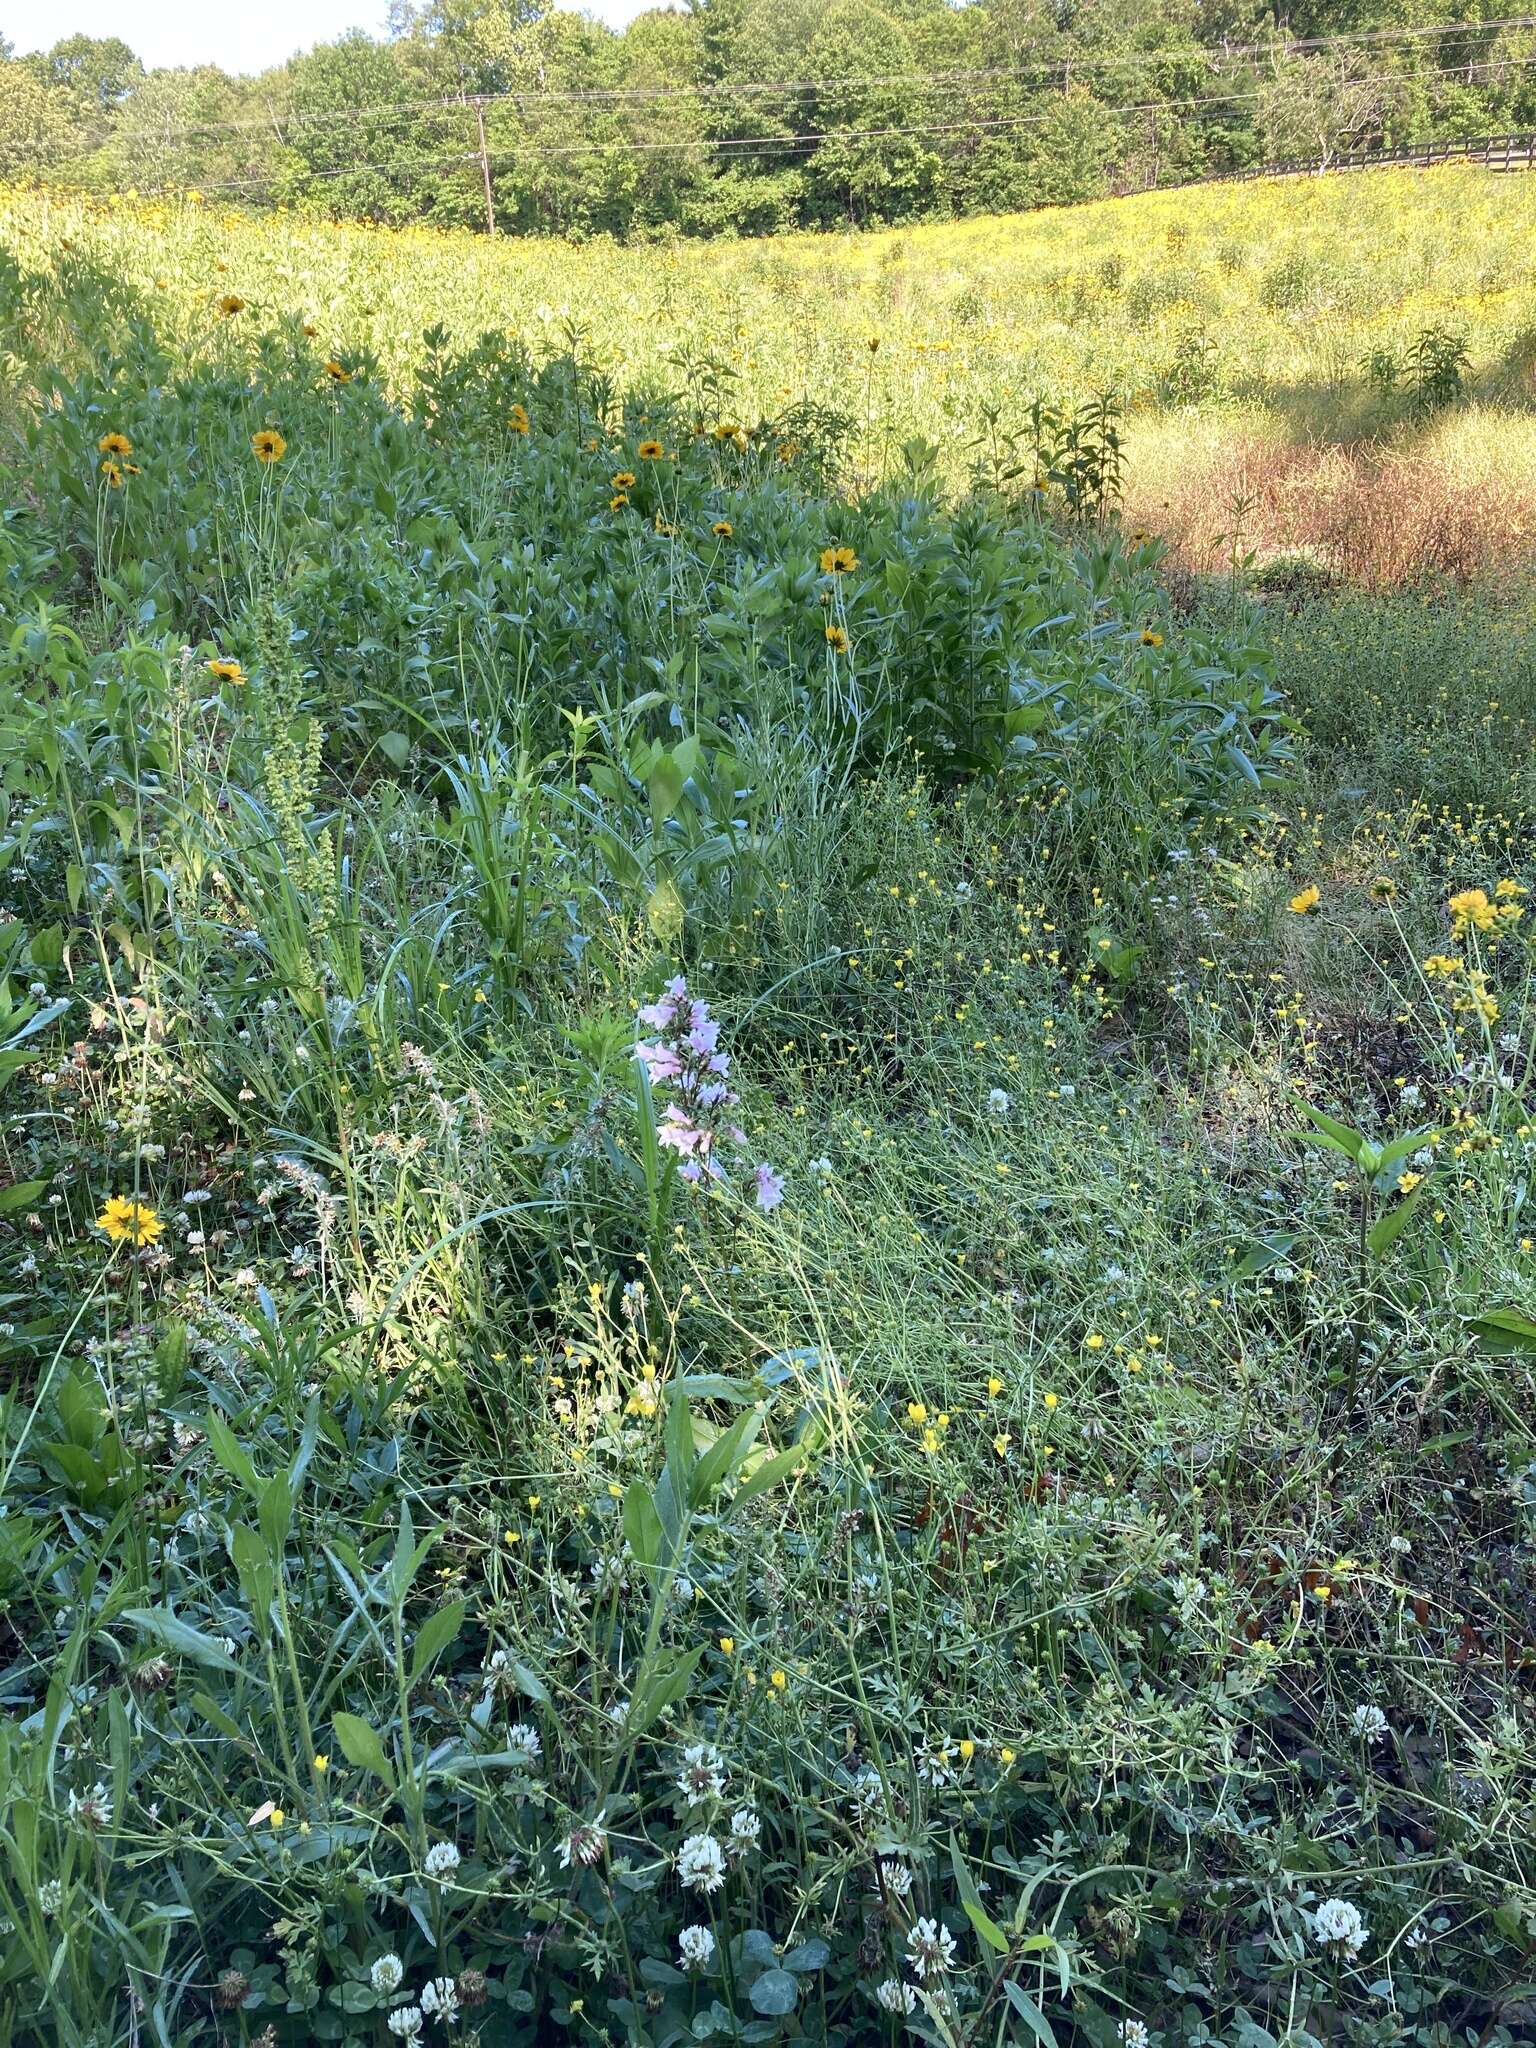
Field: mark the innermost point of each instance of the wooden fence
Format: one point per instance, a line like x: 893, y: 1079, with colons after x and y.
x: 1496, y: 152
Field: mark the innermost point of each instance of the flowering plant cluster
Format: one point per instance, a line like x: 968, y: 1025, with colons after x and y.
x: 686, y: 1068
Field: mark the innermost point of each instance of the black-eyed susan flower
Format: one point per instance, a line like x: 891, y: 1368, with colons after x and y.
x: 838, y: 561
x: 231, y: 304
x: 338, y: 372
x: 268, y: 445
x: 649, y: 451
x: 129, y: 1222
x: 226, y: 671
x: 517, y: 419
x: 114, y: 444
x: 1151, y: 639
x: 618, y: 501
x: 112, y: 474
x: 837, y: 639
x: 722, y: 529
x: 622, y: 479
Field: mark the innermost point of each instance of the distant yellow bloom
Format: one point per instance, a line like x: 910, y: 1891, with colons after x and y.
x: 231, y: 304
x: 115, y: 444
x: 269, y: 445
x: 1000, y: 1444
x: 994, y: 1386
x: 837, y: 639
x: 1407, y: 1182
x: 517, y: 419
x: 622, y: 479
x: 128, y: 1222
x: 917, y: 1413
x: 728, y: 1645
x: 778, y: 1681
x: 1305, y: 901
x: 837, y: 561
x: 618, y: 501
x: 322, y: 1764
x: 1053, y: 1401
x: 226, y: 671
x: 967, y: 1750
x: 649, y: 451
x: 113, y: 475
x: 722, y: 529
x: 338, y: 372
x: 1151, y: 639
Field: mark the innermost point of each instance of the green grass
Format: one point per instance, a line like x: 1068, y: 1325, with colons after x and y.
x: 1087, y: 1521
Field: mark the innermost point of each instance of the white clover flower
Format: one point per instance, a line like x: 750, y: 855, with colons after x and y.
x: 746, y: 1831
x: 1133, y: 2034
x: 997, y: 1101
x: 440, y: 1998
x: 701, y: 1863
x: 524, y: 1743
x: 1338, y: 1924
x: 935, y: 1767
x: 867, y: 1791
x: 896, y: 1877
x: 1369, y: 1723
x: 387, y: 1974
x: 930, y: 1948
x: 584, y: 1844
x: 50, y: 1896
x: 92, y: 1809
x: 701, y: 1774
x: 441, y: 1861
x: 896, y: 1996
x: 695, y: 1947
x: 405, y: 2022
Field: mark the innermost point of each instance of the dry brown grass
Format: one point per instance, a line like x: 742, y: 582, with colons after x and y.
x: 1455, y: 504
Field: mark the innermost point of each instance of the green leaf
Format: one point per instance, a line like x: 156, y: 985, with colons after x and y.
x: 230, y: 1452
x: 175, y: 1634
x: 395, y: 748
x: 360, y: 1746
x: 667, y: 1684
x: 1390, y: 1225
x: 774, y: 1993
x: 723, y: 1456
x: 770, y: 1472
x: 1504, y: 1330
x: 434, y: 1636
x: 20, y: 1195
x: 1030, y: 2013
x: 642, y: 1524
x: 1336, y: 1136
x: 970, y: 1898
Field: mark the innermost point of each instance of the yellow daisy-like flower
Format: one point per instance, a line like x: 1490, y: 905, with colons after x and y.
x: 722, y: 529
x: 113, y: 475
x: 787, y: 451
x: 517, y: 419
x: 1151, y: 639
x: 128, y: 1222
x: 664, y: 527
x: 622, y: 479
x: 269, y: 445
x: 617, y: 502
x: 114, y: 444
x: 231, y: 304
x: 838, y: 561
x: 837, y: 639
x: 338, y: 372
x: 649, y: 451
x: 226, y: 671
x: 1305, y: 901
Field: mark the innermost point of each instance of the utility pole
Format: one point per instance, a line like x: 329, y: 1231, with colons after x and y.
x: 485, y: 168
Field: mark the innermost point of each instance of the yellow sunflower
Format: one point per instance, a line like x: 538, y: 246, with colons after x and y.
x: 114, y: 444
x: 837, y: 639
x: 722, y: 529
x: 518, y: 419
x: 226, y: 671
x: 231, y: 304
x: 338, y: 372
x: 113, y: 475
x: 838, y: 561
x: 622, y: 479
x: 649, y: 451
x: 269, y: 445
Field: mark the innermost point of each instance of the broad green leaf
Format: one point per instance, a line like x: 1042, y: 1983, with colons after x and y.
x: 360, y: 1746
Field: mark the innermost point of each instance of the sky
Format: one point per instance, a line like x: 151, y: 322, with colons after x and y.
x: 235, y: 36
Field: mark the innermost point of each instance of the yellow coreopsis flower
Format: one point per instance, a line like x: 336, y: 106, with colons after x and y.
x: 126, y: 1221
x: 268, y: 445
x: 838, y: 561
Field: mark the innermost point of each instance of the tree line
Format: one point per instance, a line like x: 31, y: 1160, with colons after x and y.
x: 751, y: 116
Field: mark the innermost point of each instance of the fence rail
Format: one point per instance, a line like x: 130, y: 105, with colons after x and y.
x: 1497, y: 152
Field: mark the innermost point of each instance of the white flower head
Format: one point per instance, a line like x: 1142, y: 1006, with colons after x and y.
x: 896, y: 1877
x: 441, y: 1861
x: 997, y: 1101
x: 701, y: 1773
x: 695, y: 1947
x: 50, y: 1896
x: 440, y: 1998
x: 1133, y: 2034
x: 746, y: 1831
x: 405, y: 2022
x: 387, y: 1974
x: 584, y: 1844
x: 92, y: 1809
x: 896, y: 1996
x: 930, y: 1948
x: 523, y: 1741
x: 1338, y: 1924
x: 1369, y: 1723
x: 701, y: 1863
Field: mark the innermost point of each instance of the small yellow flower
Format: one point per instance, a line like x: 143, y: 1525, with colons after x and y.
x: 722, y: 529
x: 113, y: 474
x: 778, y: 1681
x: 322, y: 1764
x: 1052, y: 1400
x: 1000, y: 1444
x: 268, y: 445
x: 622, y: 479
x: 837, y: 639
x: 618, y: 501
x: 967, y: 1750
x: 649, y: 451
x: 533, y: 1501
x: 226, y: 671
x: 129, y: 1222
x: 231, y: 304
x: 517, y: 419
x: 994, y: 1386
x: 917, y: 1413
x: 1407, y: 1182
x: 728, y: 1646
x: 837, y: 561
x: 1151, y: 639
x: 1005, y: 1756
x: 338, y: 372
x: 277, y: 1816
x: 1094, y: 1342
x: 114, y: 444
x: 1305, y: 901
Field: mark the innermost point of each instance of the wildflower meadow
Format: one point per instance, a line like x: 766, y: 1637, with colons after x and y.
x: 767, y: 1268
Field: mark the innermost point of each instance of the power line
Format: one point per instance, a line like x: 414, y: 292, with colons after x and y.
x: 752, y: 145
x: 1023, y: 75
